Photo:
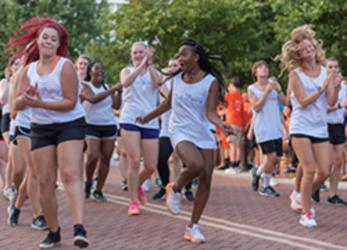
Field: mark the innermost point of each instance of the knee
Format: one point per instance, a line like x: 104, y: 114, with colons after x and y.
x: 134, y: 163
x: 323, y: 174
x: 205, y: 179
x: 105, y: 159
x: 92, y: 157
x: 68, y: 177
x: 46, y: 183
x: 309, y: 171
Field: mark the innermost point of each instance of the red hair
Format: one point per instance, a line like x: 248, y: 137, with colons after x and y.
x: 25, y: 38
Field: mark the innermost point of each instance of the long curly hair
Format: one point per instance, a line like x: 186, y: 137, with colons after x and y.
x: 290, y: 50
x: 24, y: 39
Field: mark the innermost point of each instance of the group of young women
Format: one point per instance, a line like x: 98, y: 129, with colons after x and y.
x: 59, y: 108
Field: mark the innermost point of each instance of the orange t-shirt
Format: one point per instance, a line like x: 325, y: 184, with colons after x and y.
x: 234, y: 111
x: 247, y: 114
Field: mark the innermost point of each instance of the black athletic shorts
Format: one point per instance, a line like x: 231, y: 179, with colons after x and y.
x: 273, y: 146
x: 5, y: 123
x: 53, y: 134
x: 21, y: 131
x: 336, y: 134
x: 311, y: 138
x: 101, y: 132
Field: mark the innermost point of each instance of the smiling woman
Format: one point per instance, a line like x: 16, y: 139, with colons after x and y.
x: 49, y: 85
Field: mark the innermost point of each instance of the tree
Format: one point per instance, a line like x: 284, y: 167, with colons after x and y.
x: 80, y: 17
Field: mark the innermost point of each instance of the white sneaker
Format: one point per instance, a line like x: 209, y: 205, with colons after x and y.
x: 173, y: 200
x: 295, y: 202
x: 307, y: 220
x: 146, y: 185
x: 273, y: 182
x: 194, y: 235
x: 313, y: 212
x: 236, y: 170
x: 9, y: 193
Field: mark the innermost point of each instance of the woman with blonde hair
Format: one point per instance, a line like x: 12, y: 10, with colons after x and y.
x: 312, y: 90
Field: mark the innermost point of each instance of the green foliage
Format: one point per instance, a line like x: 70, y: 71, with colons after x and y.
x: 243, y: 31
x: 80, y: 17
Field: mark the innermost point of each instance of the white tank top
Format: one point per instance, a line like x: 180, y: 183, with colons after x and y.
x: 188, y: 121
x: 23, y: 118
x: 267, y: 124
x: 50, y: 90
x: 164, y: 129
x: 139, y: 99
x: 312, y: 120
x: 338, y: 116
x: 100, y: 113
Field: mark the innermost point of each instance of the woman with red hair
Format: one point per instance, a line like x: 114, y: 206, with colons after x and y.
x: 49, y: 85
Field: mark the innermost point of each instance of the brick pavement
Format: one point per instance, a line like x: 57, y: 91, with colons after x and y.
x: 233, y: 219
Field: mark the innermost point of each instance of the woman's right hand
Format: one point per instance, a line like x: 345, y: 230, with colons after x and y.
x: 140, y: 120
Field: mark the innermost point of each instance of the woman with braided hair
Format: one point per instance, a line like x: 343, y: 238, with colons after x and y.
x: 49, y: 85
x: 193, y: 100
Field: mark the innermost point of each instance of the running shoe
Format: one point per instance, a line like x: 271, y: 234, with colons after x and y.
x: 188, y: 195
x: 124, y: 185
x: 99, y: 196
x: 9, y: 193
x: 255, y: 179
x: 52, y: 240
x: 268, y: 191
x: 233, y: 170
x: 194, y: 235
x: 142, y: 197
x: 87, y: 189
x: 294, y: 203
x: 13, y: 216
x: 146, y: 185
x: 80, y: 236
x: 159, y: 195
x: 173, y: 200
x: 307, y: 220
x: 39, y: 223
x: 134, y: 208
x: 337, y: 200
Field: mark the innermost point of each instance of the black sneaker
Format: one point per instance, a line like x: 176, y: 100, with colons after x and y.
x: 159, y: 195
x: 315, y: 196
x: 99, y: 196
x: 80, y: 236
x: 336, y: 200
x: 39, y: 223
x: 255, y: 179
x: 87, y: 189
x: 52, y: 240
x: 13, y: 216
x: 124, y: 185
x: 188, y: 194
x: 268, y: 191
x: 324, y: 188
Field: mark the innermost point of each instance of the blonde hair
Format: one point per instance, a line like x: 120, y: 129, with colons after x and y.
x: 290, y: 50
x: 139, y: 43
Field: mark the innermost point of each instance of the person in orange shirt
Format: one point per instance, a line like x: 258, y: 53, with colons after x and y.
x: 234, y: 116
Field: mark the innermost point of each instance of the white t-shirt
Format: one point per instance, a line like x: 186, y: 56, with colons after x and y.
x: 267, y: 123
x: 50, y: 90
x: 138, y: 99
x: 338, y: 116
x: 188, y: 121
x: 100, y: 113
x: 311, y: 120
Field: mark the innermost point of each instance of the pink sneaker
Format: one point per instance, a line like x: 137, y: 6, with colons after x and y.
x: 134, y: 208
x: 294, y: 204
x: 142, y: 196
x: 307, y: 220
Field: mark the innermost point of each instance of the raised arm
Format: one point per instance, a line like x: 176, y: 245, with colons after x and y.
x: 257, y: 104
x: 298, y: 90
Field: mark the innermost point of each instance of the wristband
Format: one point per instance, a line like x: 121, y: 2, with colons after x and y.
x: 339, y: 105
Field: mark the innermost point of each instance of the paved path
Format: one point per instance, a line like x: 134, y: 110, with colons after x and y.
x: 235, y: 218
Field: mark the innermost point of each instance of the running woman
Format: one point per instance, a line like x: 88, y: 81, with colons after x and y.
x: 99, y: 101
x: 140, y: 83
x: 336, y: 129
x: 49, y: 84
x: 82, y: 66
x: 263, y: 96
x: 193, y: 100
x: 312, y: 90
